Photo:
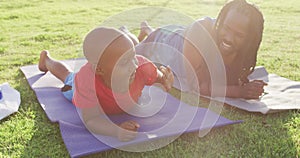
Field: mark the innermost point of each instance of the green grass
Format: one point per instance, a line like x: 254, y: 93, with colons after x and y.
x: 27, y: 27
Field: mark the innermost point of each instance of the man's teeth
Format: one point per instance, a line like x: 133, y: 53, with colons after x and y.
x: 226, y: 45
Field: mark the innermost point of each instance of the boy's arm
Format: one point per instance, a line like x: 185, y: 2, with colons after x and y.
x: 97, y: 123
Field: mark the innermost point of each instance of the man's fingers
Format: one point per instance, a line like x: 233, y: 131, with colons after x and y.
x: 260, y: 82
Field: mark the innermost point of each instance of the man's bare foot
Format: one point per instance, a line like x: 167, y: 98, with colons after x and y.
x: 129, y: 34
x: 145, y: 30
x: 42, y: 62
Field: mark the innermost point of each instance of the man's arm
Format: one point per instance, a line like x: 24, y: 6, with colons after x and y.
x: 251, y: 90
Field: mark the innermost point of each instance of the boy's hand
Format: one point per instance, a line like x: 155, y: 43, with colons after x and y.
x: 127, y: 130
x: 167, y: 79
x: 253, y: 89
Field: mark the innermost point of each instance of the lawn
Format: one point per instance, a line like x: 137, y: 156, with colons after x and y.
x: 27, y: 27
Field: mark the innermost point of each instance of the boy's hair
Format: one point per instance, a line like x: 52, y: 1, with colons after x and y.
x: 97, y: 40
x: 248, y: 57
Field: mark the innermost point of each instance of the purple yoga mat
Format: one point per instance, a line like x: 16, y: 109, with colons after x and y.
x: 72, y: 134
x: 170, y: 116
x: 47, y: 90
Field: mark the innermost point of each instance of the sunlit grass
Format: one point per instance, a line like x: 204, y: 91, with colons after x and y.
x: 27, y: 27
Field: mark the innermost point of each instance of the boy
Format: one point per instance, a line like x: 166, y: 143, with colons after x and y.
x: 109, y: 83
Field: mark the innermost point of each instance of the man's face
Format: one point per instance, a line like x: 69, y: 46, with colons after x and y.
x: 232, y: 37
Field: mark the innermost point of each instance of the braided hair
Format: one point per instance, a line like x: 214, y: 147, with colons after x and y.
x: 248, y: 55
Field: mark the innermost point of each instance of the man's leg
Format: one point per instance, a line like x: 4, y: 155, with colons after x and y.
x: 145, y: 30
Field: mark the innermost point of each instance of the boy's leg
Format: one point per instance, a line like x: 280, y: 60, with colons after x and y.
x: 57, y: 68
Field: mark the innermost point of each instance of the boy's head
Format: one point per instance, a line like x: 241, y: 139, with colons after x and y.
x: 112, y: 54
x: 96, y: 41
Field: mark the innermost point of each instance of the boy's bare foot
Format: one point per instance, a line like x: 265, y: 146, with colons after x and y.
x: 145, y: 30
x: 42, y: 63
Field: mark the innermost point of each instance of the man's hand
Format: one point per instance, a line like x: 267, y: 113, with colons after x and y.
x: 253, y: 89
